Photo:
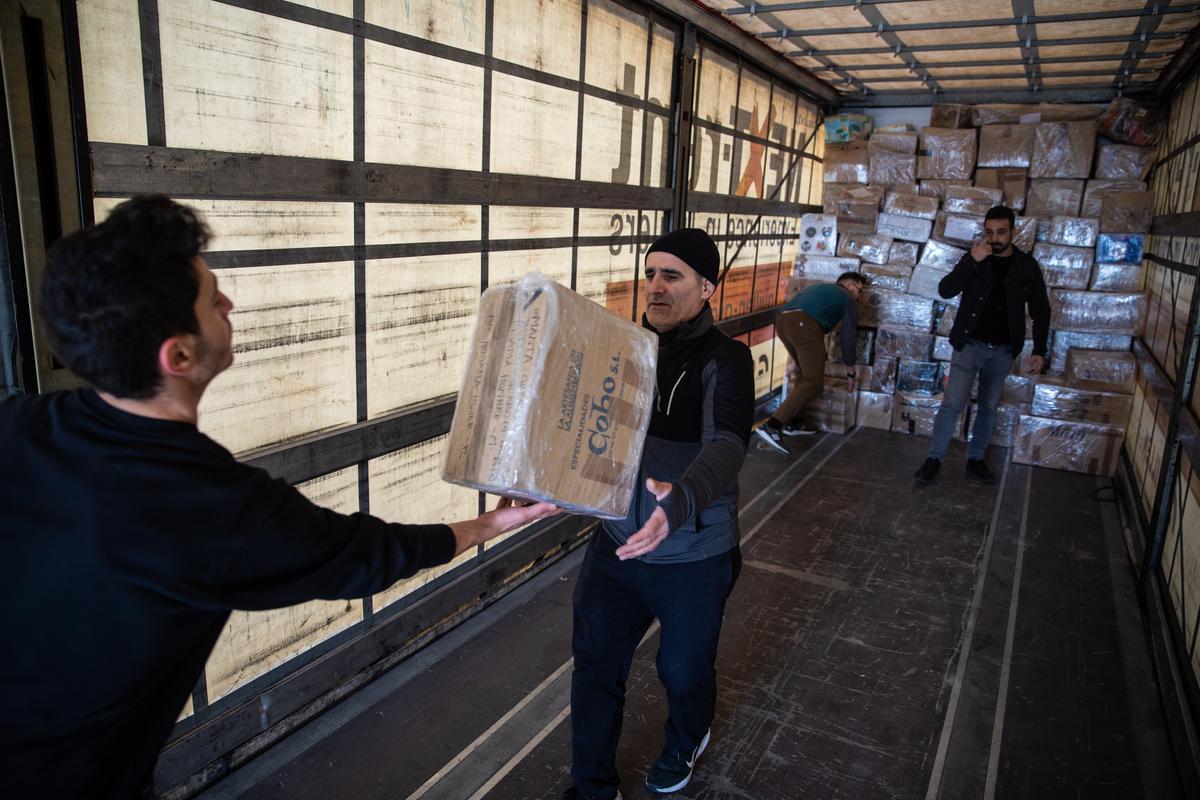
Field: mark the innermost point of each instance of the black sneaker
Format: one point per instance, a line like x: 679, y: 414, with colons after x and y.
x: 928, y: 471
x: 672, y: 771
x: 977, y: 470
x: 573, y: 793
x: 798, y: 429
x: 772, y: 438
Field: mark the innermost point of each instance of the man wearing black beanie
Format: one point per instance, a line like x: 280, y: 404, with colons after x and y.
x: 675, y: 556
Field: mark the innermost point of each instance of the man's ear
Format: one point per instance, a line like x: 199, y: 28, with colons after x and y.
x: 175, y: 356
x: 707, y: 289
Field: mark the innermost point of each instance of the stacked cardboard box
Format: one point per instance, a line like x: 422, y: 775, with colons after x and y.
x: 1083, y: 213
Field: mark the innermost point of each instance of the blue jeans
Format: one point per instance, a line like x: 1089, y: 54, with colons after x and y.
x: 991, y: 363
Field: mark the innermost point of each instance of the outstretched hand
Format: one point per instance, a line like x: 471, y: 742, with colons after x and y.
x: 507, y: 516
x: 654, y: 531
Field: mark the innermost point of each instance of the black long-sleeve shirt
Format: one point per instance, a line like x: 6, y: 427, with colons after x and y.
x: 127, y: 541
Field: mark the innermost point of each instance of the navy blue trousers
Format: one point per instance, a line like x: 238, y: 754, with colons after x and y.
x: 615, y: 603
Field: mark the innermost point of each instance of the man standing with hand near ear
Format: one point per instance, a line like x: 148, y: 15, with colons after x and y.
x: 675, y: 556
x: 997, y: 283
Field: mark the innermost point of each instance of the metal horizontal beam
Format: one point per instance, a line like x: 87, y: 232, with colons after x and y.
x: 958, y: 24
x: 1186, y: 224
x: 759, y: 8
x: 1007, y: 75
x: 997, y: 62
x: 1087, y: 94
x: 917, y: 48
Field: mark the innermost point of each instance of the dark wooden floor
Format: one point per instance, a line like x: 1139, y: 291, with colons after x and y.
x: 874, y: 648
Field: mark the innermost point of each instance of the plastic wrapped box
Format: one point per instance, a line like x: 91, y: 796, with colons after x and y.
x: 940, y: 256
x: 1092, y: 204
x: 888, y: 166
x: 1086, y: 447
x: 973, y: 201
x: 904, y: 344
x: 1117, y: 278
x: 834, y: 411
x: 1006, y: 145
x: 1054, y: 401
x: 823, y: 268
x: 949, y: 153
x: 1102, y: 370
x: 937, y: 188
x: 942, y: 349
x: 903, y: 142
x: 870, y: 247
x: 1013, y: 184
x: 910, y: 205
x: 875, y: 410
x: 1055, y: 198
x: 1017, y: 389
x: 944, y: 314
x: 888, y: 276
x: 1025, y: 234
x: 848, y: 162
x: 1129, y: 122
x: 950, y: 115
x: 882, y: 377
x: 1063, y: 150
x: 1112, y: 248
x: 924, y: 282
x: 1127, y: 212
x: 856, y: 207
x: 847, y: 127
x: 1066, y: 341
x: 1013, y: 113
x: 958, y: 229
x: 1064, y: 267
x: 909, y: 229
x: 882, y: 308
x: 818, y: 234
x: 1097, y: 312
x: 919, y: 377
x: 1124, y: 162
x: 1004, y: 430
x: 914, y: 414
x: 904, y: 254
x: 1074, y: 231
x: 555, y: 400
x: 864, y: 351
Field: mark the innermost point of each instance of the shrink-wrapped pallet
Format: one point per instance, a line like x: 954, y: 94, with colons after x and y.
x: 958, y: 229
x: 1063, y: 150
x: 904, y: 254
x: 1066, y: 341
x: 950, y: 115
x: 1124, y: 162
x: 903, y: 344
x: 888, y: 166
x: 1102, y: 370
x: 924, y: 282
x: 1087, y: 447
x: 1074, y: 231
x: 875, y: 410
x: 973, y: 201
x: 914, y: 414
x: 1092, y: 204
x: 834, y: 410
x: 1055, y: 198
x: 910, y: 205
x: 1006, y: 145
x: 1025, y: 233
x: 909, y: 229
x: 555, y: 400
x: 1064, y: 267
x: 870, y: 247
x: 1056, y: 401
x: 1097, y: 312
x: 1113, y: 248
x: 1127, y: 212
x: 848, y: 162
x: 940, y: 256
x: 1013, y: 184
x: 888, y: 276
x: 1119, y: 277
x: 949, y: 153
x: 882, y: 308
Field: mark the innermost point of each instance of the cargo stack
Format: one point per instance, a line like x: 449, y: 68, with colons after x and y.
x: 907, y: 204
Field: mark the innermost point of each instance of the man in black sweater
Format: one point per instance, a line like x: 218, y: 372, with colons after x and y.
x: 997, y: 283
x: 129, y: 535
x: 675, y: 556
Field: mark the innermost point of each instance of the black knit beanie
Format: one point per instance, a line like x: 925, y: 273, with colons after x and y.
x: 693, y: 247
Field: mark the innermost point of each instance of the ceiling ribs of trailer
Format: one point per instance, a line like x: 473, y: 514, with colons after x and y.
x: 915, y: 52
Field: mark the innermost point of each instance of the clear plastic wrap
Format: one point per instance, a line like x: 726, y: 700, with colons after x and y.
x: 1055, y: 198
x: 944, y: 313
x: 883, y: 308
x: 1129, y: 122
x: 924, y: 283
x: 1074, y: 231
x: 1066, y: 341
x: 1011, y: 113
x: 1063, y: 266
x: 904, y: 254
x: 1092, y: 204
x: 909, y: 229
x: 818, y: 234
x: 914, y: 413
x: 1112, y: 248
x: 555, y: 400
x: 973, y: 201
x: 903, y: 142
x: 904, y: 344
x: 871, y: 247
x: 848, y: 162
x: 1117, y: 278
x: 888, y: 166
x: 1013, y: 184
x: 864, y: 351
x: 937, y: 188
x: 950, y: 115
x: 1017, y: 389
x: 1063, y: 150
x: 1006, y: 145
x: 834, y: 411
x: 1055, y: 401
x: 919, y: 377
x: 882, y: 378
x: 1007, y: 418
x: 856, y: 207
x: 1127, y: 212
x: 1025, y: 234
x: 942, y: 349
x: 1102, y: 370
x: 823, y: 268
x: 891, y: 276
x: 910, y: 205
x: 958, y: 229
x: 940, y: 256
x: 900, y: 188
x: 875, y: 410
x: 847, y: 128
x: 1124, y: 162
x: 1097, y: 312
x: 949, y: 153
x: 1087, y: 447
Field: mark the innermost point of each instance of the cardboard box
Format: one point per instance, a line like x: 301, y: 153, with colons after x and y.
x: 903, y: 142
x: 1124, y: 162
x: 1017, y: 389
x: 1074, y: 231
x: 1013, y: 183
x: 888, y: 166
x: 1064, y: 267
x: 904, y: 254
x: 924, y: 282
x: 942, y: 349
x: 948, y: 153
x: 870, y: 247
x: 1097, y: 312
x: 1055, y: 401
x: 875, y: 410
x: 910, y: 229
x: 1113, y: 248
x: 950, y: 115
x: 847, y: 127
x: 903, y: 344
x: 1004, y: 428
x: 1063, y: 150
x: 1119, y: 277
x: 825, y: 269
x: 1006, y: 145
x: 864, y: 351
x: 834, y: 410
x: 882, y: 308
x: 1065, y: 341
x: 891, y: 276
x: 1127, y: 212
x: 1086, y: 447
x: 1102, y: 370
x: 1092, y: 204
x: 848, y: 162
x: 944, y: 314
x: 919, y: 377
x: 818, y: 234
x: 1025, y: 235
x: 972, y: 201
x: 856, y: 207
x: 936, y: 187
x: 1030, y: 113
x: 910, y: 205
x: 555, y: 400
x: 1055, y: 198
x: 914, y: 414
x: 959, y: 230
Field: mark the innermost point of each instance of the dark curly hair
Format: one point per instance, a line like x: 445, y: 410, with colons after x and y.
x: 1002, y: 212
x: 113, y: 293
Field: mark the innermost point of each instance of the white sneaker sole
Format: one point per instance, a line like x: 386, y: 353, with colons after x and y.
x: 787, y: 432
x: 692, y: 766
x: 771, y: 443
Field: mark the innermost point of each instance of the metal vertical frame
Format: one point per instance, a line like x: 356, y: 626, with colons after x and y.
x: 685, y: 107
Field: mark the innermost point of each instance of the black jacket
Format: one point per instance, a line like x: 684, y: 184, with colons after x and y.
x: 1025, y: 288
